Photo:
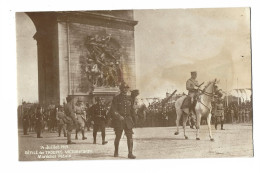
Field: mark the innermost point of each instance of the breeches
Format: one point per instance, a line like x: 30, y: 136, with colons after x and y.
x: 124, y: 127
x: 81, y: 122
x: 99, y: 126
x: 70, y: 126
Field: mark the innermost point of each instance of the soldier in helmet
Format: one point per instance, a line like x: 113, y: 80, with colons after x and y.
x: 98, y: 113
x: 60, y: 116
x: 80, y: 114
x: 123, y: 119
x: 70, y: 119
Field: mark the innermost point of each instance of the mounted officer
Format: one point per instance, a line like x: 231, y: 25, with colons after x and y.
x: 98, y: 112
x: 189, y: 102
x: 123, y: 119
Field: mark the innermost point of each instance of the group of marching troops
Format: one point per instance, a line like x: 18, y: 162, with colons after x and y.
x: 77, y: 116
x: 122, y: 113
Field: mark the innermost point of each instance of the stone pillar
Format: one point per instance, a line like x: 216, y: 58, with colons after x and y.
x: 61, y: 43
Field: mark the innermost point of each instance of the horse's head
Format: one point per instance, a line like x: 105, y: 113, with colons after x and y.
x: 211, y: 88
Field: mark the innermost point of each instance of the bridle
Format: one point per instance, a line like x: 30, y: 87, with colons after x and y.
x: 211, y: 95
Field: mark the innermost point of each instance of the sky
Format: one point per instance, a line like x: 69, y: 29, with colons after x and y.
x: 169, y: 44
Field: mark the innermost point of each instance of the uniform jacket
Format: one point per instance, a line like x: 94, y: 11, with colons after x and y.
x: 219, y: 109
x: 122, y: 106
x: 98, y: 113
x: 70, y: 114
x: 191, y: 84
x: 39, y: 119
x: 60, y: 118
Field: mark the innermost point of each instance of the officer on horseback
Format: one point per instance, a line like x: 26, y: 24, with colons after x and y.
x: 192, y: 87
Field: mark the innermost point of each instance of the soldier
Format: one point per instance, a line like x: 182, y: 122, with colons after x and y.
x: 80, y: 114
x: 60, y: 116
x: 39, y: 121
x: 123, y: 119
x: 219, y: 113
x: 70, y: 118
x: 192, y: 87
x: 232, y: 114
x: 98, y: 113
x: 87, y: 110
x: 26, y: 120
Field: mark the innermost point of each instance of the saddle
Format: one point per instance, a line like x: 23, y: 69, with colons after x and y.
x: 187, y: 102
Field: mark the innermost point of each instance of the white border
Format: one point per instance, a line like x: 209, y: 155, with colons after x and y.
x: 8, y: 143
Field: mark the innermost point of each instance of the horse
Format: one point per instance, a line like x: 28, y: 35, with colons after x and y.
x: 202, y: 109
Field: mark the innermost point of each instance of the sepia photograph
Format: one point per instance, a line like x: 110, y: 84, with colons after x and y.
x: 134, y: 84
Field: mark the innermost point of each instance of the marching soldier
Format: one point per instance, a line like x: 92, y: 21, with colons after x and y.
x: 60, y: 116
x: 219, y: 114
x: 99, y: 119
x: 70, y: 118
x: 123, y: 119
x: 80, y: 114
x: 39, y: 121
x: 26, y: 121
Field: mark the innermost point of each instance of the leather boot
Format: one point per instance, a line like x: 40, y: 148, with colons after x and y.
x: 130, y: 149
x: 116, y: 143
x: 70, y: 142
x: 222, y: 125
x: 83, y: 134
x: 104, y: 142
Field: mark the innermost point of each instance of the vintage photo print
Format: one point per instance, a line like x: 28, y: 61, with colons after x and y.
x: 134, y: 84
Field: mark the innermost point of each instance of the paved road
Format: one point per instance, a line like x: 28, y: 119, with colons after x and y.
x: 149, y: 143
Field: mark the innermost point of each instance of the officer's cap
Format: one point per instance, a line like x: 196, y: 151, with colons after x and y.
x: 193, y: 72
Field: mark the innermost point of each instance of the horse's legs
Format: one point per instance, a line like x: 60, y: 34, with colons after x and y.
x: 178, y: 112
x: 198, y: 126
x: 184, y: 121
x: 209, y: 127
x: 76, y: 137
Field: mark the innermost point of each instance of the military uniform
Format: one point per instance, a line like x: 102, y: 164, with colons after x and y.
x: 80, y: 116
x: 39, y: 122
x: 26, y: 121
x: 70, y: 118
x: 61, y: 122
x: 190, y: 101
x: 98, y: 113
x: 123, y: 120
x: 219, y: 114
x: 191, y: 85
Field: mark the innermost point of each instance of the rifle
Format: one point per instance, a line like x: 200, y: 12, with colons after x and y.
x: 168, y: 98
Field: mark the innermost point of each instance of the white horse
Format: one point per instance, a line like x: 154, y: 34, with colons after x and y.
x: 202, y: 109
